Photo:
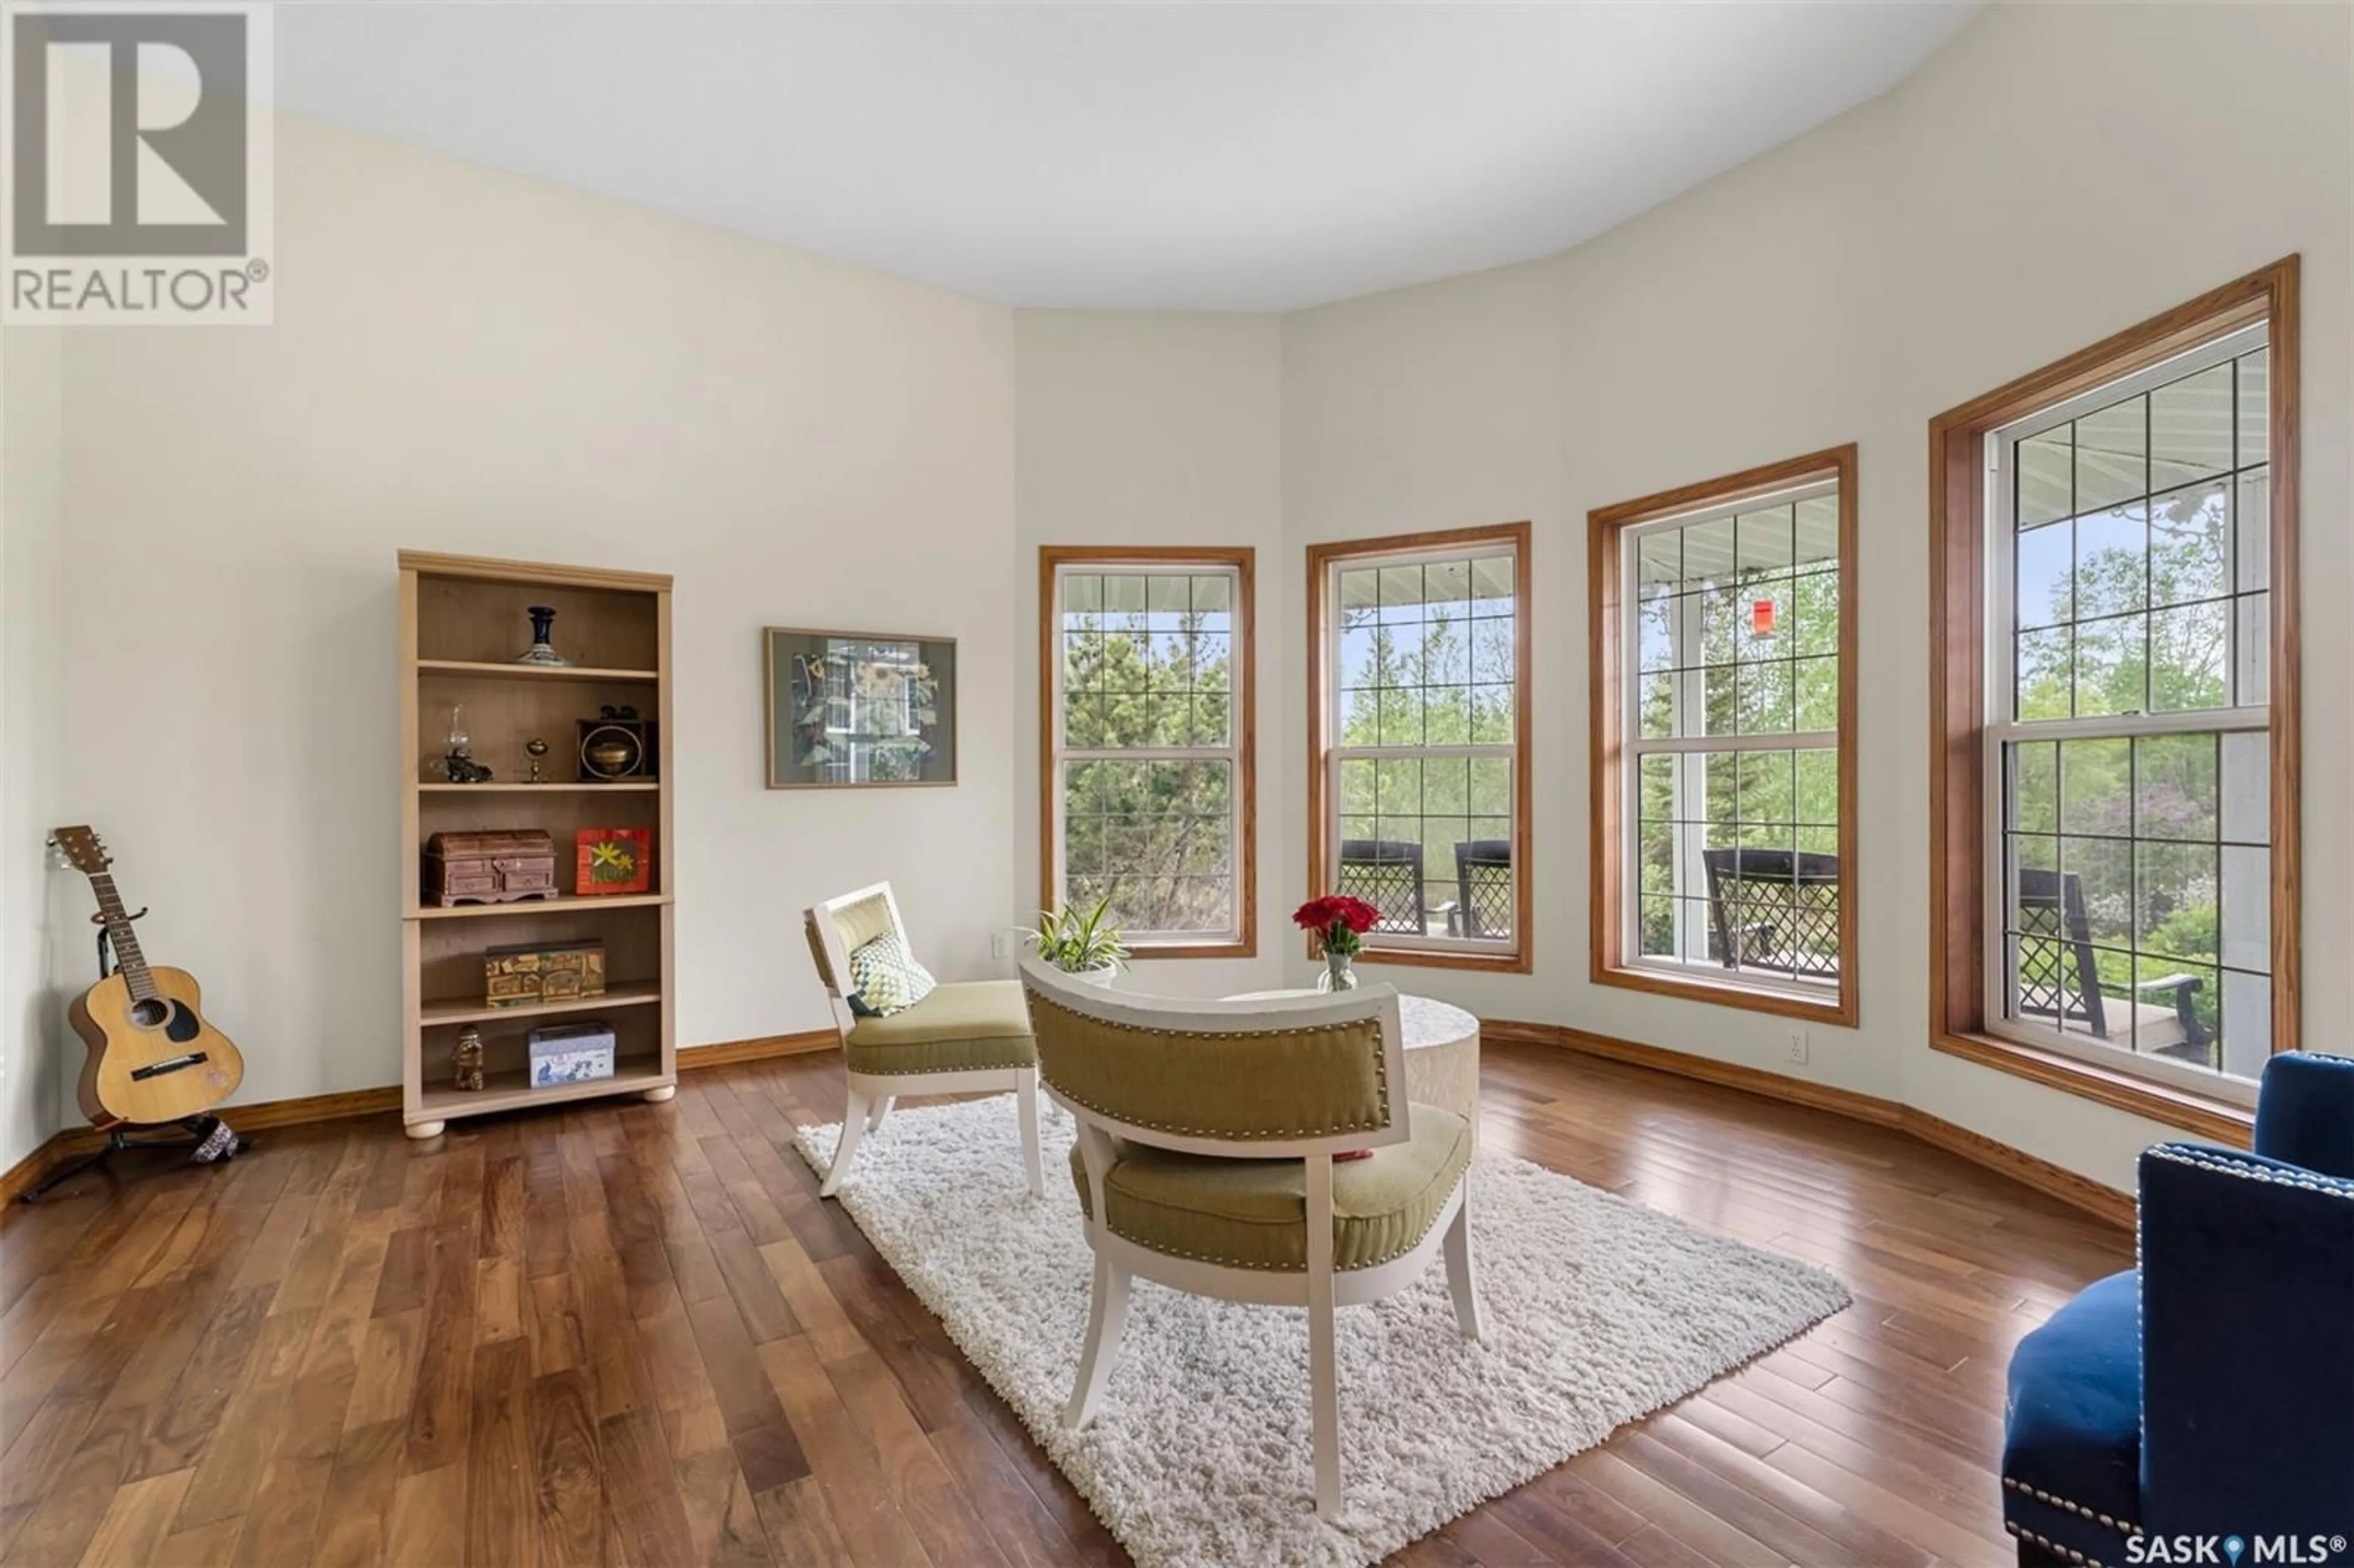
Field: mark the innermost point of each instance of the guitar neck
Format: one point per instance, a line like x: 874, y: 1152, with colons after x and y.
x: 127, y: 956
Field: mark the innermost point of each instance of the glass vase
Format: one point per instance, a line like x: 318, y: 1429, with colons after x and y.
x: 1338, y: 975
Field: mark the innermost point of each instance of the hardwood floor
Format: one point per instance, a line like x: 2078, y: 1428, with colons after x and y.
x: 632, y: 1334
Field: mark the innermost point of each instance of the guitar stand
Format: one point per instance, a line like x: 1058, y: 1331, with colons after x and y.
x: 198, y: 1132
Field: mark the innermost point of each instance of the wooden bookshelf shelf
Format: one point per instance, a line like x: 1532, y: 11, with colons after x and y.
x: 462, y: 619
x: 566, y: 905
x: 475, y: 668
x: 512, y: 1090
x: 619, y: 787
x: 472, y: 1011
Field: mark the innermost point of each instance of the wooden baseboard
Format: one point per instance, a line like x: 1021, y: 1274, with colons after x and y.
x: 2042, y: 1175
x: 1732, y: 1074
x: 347, y: 1103
x: 728, y: 1052
x: 314, y: 1107
x: 2079, y: 1191
x: 75, y: 1141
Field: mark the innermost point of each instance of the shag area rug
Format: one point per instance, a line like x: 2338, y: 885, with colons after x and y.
x: 1596, y: 1311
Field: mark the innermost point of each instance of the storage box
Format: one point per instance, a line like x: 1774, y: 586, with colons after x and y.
x: 528, y: 974
x: 488, y: 868
x: 571, y: 1052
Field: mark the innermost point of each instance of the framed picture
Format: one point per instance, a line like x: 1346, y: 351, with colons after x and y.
x: 859, y: 707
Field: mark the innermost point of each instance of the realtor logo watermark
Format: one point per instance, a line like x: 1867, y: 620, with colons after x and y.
x: 137, y: 147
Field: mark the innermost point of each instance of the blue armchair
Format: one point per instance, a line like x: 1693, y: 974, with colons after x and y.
x: 2210, y: 1392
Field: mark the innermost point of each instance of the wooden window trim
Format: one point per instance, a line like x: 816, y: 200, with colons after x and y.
x: 1320, y: 559
x: 1957, y: 1024
x: 1242, y: 560
x: 1606, y: 527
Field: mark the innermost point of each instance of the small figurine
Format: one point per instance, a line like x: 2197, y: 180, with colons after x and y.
x: 535, y: 748
x: 466, y: 1059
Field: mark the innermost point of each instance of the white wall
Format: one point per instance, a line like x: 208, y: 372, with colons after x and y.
x: 1140, y: 427
x: 34, y: 1071
x: 2054, y: 175
x: 472, y: 362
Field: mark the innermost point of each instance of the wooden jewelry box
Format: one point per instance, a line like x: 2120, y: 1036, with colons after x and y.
x: 489, y: 868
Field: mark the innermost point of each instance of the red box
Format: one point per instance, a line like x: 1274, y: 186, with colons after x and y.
x: 613, y: 860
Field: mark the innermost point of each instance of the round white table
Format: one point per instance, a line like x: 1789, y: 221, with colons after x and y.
x: 1442, y: 1051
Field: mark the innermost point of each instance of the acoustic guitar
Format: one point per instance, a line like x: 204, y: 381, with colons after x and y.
x: 153, y: 1056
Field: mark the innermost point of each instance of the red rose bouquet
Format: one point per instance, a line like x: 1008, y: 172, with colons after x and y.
x: 1339, y: 922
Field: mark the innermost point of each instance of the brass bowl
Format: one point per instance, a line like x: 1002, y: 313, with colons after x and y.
x: 610, y: 753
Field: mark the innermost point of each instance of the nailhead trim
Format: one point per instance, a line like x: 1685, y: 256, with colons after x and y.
x: 2069, y: 1553
x: 2221, y: 1161
x: 969, y: 1067
x: 1381, y: 1081
x: 1265, y: 1267
x: 2039, y: 1494
x: 2141, y: 1336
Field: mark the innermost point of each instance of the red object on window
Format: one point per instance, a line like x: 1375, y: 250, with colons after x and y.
x: 1761, y: 618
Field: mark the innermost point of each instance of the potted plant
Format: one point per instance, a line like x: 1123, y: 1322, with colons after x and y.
x: 1339, y: 923
x: 1080, y: 944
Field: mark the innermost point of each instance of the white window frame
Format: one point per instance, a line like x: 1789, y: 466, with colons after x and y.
x: 1060, y: 755
x: 1634, y: 746
x: 1335, y: 753
x: 2003, y: 728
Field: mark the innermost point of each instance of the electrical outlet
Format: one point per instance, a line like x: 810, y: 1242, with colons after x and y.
x: 1000, y: 944
x: 1798, y: 1044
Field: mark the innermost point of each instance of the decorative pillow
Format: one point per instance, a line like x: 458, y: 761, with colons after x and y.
x: 884, y: 978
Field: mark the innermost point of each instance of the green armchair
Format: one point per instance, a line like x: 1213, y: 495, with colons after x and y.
x: 1204, y: 1163
x: 964, y: 1037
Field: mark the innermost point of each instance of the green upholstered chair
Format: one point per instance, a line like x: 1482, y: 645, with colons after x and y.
x: 1204, y: 1163
x: 964, y: 1037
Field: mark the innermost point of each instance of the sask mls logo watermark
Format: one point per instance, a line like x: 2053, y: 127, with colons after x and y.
x: 2236, y: 1551
x: 137, y: 148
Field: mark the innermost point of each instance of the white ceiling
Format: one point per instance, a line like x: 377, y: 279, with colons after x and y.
x: 1194, y: 155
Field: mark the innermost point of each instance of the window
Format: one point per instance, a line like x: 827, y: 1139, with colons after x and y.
x: 1147, y: 771
x: 1418, y: 777
x: 1724, y: 768
x: 2131, y: 798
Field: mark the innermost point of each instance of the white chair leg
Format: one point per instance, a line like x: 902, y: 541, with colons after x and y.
x: 1323, y: 1379
x: 1106, y: 1321
x: 883, y: 1104
x: 853, y: 1127
x: 1325, y: 1396
x: 1025, y: 1093
x: 1462, y: 1281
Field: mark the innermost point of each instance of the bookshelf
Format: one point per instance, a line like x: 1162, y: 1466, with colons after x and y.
x: 462, y: 621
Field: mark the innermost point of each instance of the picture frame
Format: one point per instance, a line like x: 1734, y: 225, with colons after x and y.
x: 858, y: 709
